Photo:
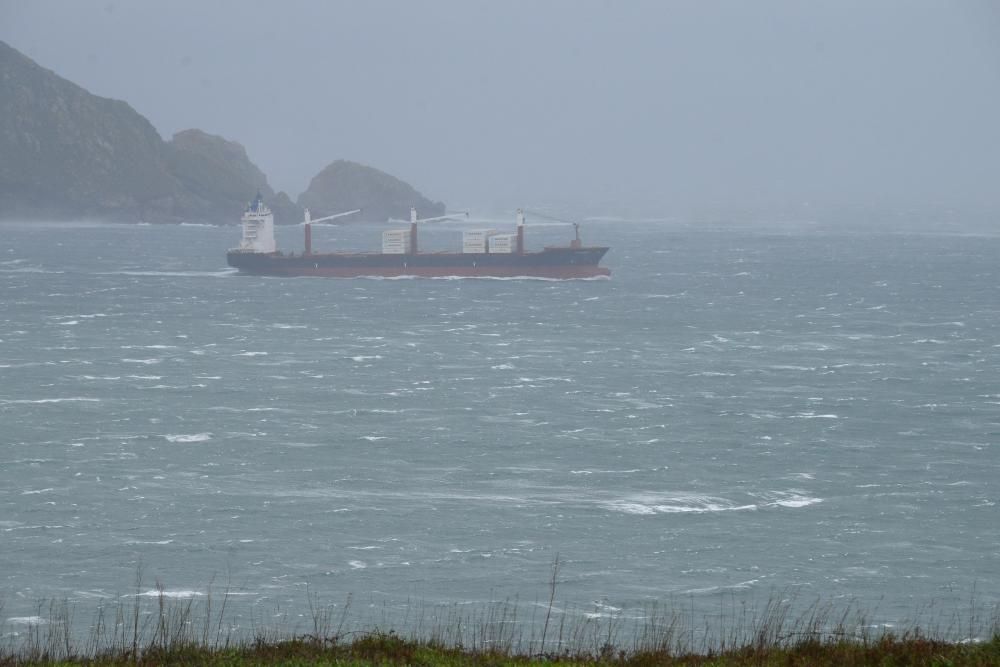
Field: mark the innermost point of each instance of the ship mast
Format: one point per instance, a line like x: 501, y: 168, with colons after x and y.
x: 520, y: 231
x: 413, y: 230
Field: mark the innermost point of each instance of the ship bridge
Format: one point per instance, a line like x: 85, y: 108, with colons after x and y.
x: 258, y: 228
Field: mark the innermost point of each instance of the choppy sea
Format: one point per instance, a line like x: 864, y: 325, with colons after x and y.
x: 736, y: 411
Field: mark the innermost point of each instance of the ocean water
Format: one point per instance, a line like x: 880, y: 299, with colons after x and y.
x: 736, y: 412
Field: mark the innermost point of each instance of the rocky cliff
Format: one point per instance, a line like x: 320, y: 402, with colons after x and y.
x: 66, y: 154
x: 217, y: 176
x: 345, y: 185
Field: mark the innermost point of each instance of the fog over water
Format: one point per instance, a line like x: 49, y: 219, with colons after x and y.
x: 652, y: 107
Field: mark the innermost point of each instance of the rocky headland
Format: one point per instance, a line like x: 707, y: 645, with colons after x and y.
x: 66, y: 154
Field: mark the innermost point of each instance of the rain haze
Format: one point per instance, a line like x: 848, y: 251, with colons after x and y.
x: 654, y: 320
x: 633, y: 107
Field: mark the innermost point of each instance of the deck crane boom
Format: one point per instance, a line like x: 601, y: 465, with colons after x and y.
x: 309, y: 221
x: 414, y: 220
x: 450, y: 216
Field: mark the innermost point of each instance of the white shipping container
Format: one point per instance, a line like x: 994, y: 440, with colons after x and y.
x: 396, y: 242
x: 501, y: 243
x: 474, y: 240
x: 476, y: 234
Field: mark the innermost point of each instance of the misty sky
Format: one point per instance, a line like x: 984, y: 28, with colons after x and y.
x: 660, y: 106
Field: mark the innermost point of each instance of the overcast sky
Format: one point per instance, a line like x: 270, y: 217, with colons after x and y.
x: 665, y: 105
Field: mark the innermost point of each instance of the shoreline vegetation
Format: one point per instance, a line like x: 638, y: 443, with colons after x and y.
x: 159, y: 628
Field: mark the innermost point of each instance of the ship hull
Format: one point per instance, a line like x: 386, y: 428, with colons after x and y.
x: 556, y: 263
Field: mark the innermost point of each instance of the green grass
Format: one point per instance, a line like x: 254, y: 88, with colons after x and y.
x: 783, y: 631
x: 390, y: 649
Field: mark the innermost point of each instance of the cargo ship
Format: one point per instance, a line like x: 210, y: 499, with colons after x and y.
x: 485, y: 253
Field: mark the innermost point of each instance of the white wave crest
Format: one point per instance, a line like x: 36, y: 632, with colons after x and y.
x: 74, y: 399
x: 681, y: 504
x: 27, y: 620
x: 179, y: 595
x: 174, y: 274
x: 195, y: 437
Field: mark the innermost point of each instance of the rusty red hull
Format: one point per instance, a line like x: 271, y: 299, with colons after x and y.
x: 552, y: 262
x: 557, y: 273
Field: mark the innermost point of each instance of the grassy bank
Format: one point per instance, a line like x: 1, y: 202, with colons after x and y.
x: 389, y: 649
x: 151, y: 628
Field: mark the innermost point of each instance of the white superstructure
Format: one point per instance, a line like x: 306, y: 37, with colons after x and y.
x: 258, y: 228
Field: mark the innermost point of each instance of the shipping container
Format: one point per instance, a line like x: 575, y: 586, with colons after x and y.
x: 501, y: 243
x: 396, y: 242
x: 474, y: 240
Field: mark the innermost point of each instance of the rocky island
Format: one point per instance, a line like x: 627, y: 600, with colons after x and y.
x: 345, y: 185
